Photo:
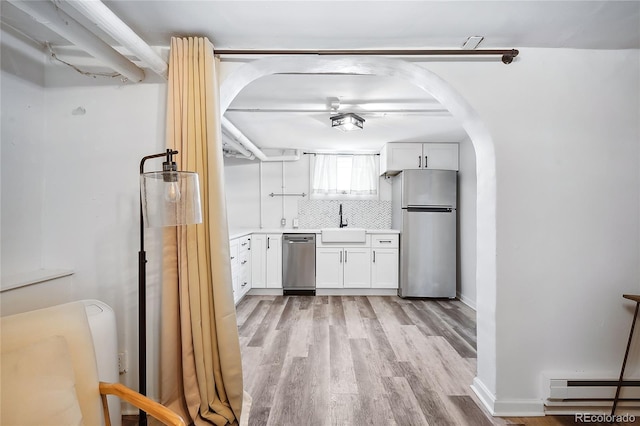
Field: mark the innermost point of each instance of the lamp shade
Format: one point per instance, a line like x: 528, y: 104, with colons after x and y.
x: 170, y: 198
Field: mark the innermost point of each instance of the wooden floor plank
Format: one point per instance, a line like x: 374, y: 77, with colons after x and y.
x: 252, y: 321
x: 340, y: 362
x: 432, y: 406
x: 374, y: 405
x: 356, y: 360
x: 337, y: 311
x: 404, y: 404
x: 441, y: 328
x: 473, y: 415
x: 269, y: 322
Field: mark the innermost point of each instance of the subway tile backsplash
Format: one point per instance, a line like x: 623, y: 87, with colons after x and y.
x: 370, y: 214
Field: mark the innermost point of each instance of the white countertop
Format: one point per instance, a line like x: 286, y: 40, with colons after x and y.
x: 241, y: 232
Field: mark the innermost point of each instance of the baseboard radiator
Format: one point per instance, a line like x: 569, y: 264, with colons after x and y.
x: 569, y: 396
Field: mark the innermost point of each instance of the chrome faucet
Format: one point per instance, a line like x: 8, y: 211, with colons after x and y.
x: 342, y: 225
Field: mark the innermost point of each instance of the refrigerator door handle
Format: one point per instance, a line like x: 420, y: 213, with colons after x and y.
x: 429, y: 209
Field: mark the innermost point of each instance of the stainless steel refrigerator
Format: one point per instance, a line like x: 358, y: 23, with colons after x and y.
x: 424, y: 210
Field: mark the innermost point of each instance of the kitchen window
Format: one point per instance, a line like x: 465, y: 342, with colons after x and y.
x: 344, y: 176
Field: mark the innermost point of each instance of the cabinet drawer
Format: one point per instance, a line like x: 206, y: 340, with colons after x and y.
x: 244, y: 258
x: 244, y: 244
x: 233, y: 252
x: 384, y: 240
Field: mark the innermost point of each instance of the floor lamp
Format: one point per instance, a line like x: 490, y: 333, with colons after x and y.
x: 167, y: 198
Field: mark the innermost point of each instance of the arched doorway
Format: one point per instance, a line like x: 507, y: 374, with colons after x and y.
x: 485, y: 381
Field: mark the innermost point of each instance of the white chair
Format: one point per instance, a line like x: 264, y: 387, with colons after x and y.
x: 49, y: 373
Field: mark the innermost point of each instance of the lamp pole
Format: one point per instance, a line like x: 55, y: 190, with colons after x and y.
x: 142, y: 295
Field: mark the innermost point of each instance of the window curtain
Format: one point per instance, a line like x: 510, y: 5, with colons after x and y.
x: 364, y: 176
x: 325, y: 174
x: 201, y: 368
x: 363, y: 179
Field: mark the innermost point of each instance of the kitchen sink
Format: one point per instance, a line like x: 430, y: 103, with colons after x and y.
x: 343, y: 235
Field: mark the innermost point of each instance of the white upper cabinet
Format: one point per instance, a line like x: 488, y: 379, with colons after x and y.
x: 398, y: 156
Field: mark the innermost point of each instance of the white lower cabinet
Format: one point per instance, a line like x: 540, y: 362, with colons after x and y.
x: 384, y: 268
x: 357, y: 270
x: 240, y: 254
x: 266, y: 261
x: 233, y: 257
x: 343, y: 267
x: 384, y: 261
x: 329, y: 268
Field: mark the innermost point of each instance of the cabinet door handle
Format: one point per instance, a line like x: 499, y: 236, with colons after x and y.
x: 374, y: 256
x: 233, y: 257
x: 340, y: 256
x: 243, y: 262
x: 425, y: 162
x: 385, y: 241
x: 243, y: 244
x: 268, y: 243
x: 345, y: 256
x: 419, y: 161
x: 244, y: 284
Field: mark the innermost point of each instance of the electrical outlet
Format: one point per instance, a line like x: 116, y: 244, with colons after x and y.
x: 283, y: 222
x: 122, y: 362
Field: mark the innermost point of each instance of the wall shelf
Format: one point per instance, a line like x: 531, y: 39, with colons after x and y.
x: 32, y: 277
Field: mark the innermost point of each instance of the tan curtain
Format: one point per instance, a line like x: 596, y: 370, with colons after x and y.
x: 201, y: 375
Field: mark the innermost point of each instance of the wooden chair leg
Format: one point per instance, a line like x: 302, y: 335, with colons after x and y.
x: 624, y: 362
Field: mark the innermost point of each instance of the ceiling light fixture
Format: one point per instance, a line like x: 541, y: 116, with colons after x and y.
x: 347, y: 121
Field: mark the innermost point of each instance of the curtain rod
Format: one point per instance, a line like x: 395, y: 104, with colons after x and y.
x: 507, y: 54
x: 339, y: 153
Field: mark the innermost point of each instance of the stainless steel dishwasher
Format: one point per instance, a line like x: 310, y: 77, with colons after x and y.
x: 299, y: 264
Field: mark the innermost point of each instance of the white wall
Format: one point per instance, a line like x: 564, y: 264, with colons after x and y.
x: 467, y: 223
x: 91, y: 200
x: 22, y: 133
x: 566, y: 132
x: 244, y: 198
x: 241, y: 178
x: 70, y: 190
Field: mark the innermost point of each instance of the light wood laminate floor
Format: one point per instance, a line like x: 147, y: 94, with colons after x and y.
x: 347, y: 360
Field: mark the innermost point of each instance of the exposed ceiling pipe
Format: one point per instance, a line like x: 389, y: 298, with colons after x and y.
x: 107, y: 21
x: 52, y: 17
x: 232, y: 155
x: 231, y: 142
x: 233, y: 131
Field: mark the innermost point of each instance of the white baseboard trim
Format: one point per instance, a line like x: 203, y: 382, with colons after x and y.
x: 265, y: 292
x: 484, y: 394
x: 470, y: 303
x: 507, y: 408
x: 519, y: 408
x: 356, y: 291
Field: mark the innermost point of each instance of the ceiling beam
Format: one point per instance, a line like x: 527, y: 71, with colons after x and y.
x: 55, y: 19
